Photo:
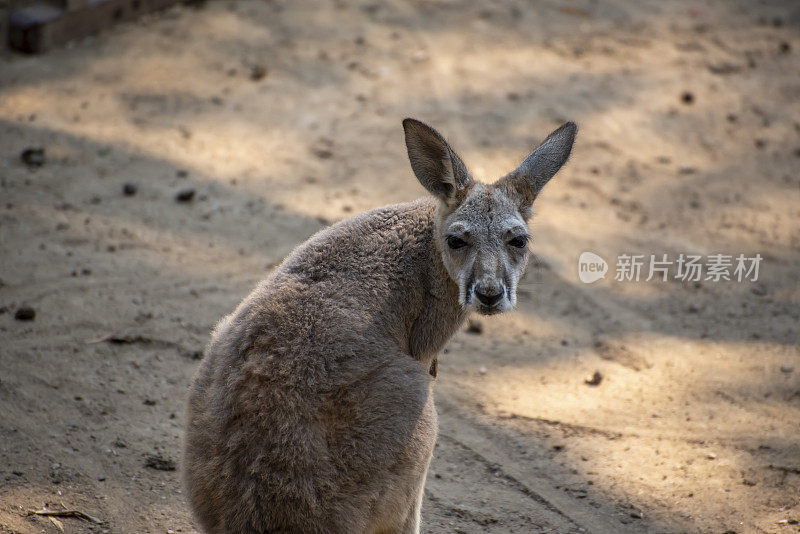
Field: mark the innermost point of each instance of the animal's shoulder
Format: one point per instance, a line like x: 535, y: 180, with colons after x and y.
x: 373, y: 236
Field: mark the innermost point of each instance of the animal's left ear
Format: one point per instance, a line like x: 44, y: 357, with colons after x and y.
x: 526, y: 182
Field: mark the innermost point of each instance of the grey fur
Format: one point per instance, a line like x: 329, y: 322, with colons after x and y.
x: 312, y: 410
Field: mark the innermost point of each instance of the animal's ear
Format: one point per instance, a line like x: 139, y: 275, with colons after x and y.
x: 526, y: 182
x: 437, y: 167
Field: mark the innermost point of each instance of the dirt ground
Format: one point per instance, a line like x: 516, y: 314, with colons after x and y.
x: 283, y: 117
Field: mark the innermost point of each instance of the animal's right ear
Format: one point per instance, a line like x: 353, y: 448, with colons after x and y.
x: 437, y: 167
x: 526, y: 182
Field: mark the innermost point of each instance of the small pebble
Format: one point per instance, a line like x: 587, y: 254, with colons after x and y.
x: 787, y: 368
x: 129, y: 189
x: 185, y: 195
x: 711, y: 456
x: 33, y: 157
x: 687, y: 97
x: 323, y: 153
x: 593, y: 380
x: 258, y: 72
x: 25, y: 313
x: 155, y: 461
x: 482, y: 370
x: 474, y: 326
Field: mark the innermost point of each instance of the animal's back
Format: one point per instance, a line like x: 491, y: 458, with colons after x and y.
x: 302, y: 381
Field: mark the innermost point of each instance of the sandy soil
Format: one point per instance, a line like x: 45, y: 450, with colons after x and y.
x: 285, y: 116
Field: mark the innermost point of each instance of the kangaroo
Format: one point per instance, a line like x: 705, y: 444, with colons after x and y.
x: 312, y: 410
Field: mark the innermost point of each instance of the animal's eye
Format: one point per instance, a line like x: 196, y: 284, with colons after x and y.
x: 520, y: 241
x: 455, y: 242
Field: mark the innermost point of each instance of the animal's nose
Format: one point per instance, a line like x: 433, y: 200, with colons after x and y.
x: 489, y: 297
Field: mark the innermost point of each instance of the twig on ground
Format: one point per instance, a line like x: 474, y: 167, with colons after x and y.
x: 66, y: 513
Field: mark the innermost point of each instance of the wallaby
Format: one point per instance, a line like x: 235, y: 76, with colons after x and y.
x: 312, y: 411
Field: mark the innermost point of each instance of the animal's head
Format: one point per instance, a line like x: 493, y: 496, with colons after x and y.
x: 482, y: 229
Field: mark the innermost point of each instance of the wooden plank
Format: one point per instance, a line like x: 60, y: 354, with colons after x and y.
x: 41, y: 26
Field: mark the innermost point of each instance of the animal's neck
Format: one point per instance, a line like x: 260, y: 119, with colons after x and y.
x: 438, y: 313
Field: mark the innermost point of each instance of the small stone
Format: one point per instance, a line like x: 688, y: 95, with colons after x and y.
x: 181, y: 173
x: 129, y: 189
x: 759, y: 290
x: 185, y: 195
x: 323, y: 153
x: 474, y: 326
x: 258, y: 73
x: 784, y: 47
x: 594, y: 379
x: 711, y: 456
x: 25, y: 313
x: 787, y: 368
x: 687, y: 97
x: 482, y: 370
x: 637, y: 514
x: 33, y: 157
x: 158, y: 462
